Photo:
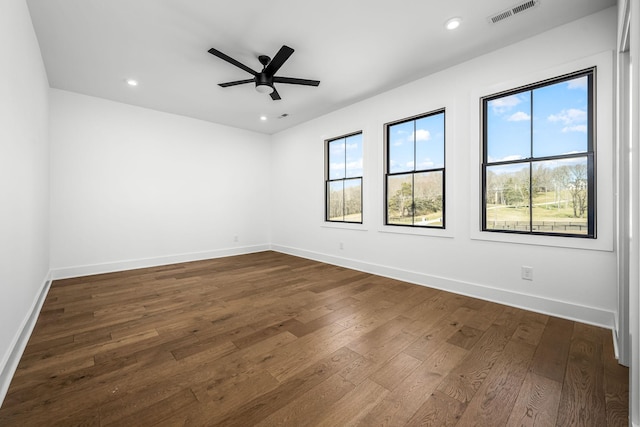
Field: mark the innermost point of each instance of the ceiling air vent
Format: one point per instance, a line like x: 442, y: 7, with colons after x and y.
x: 501, y: 16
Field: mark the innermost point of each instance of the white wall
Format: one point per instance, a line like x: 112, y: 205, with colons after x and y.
x: 573, y: 278
x: 24, y: 192
x: 132, y: 187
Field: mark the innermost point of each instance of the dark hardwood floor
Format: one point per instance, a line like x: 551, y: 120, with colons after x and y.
x: 274, y: 340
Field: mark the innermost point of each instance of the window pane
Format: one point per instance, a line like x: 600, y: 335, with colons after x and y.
x: 353, y: 200
x: 335, y: 193
x: 401, y: 147
x: 507, y: 197
x: 353, y: 149
x: 428, y: 199
x: 429, y: 137
x: 560, y: 196
x: 400, y: 199
x: 508, y: 122
x: 336, y: 159
x: 560, y: 118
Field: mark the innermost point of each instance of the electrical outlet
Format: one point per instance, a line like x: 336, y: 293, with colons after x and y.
x: 235, y: 238
x: 341, y: 245
x: 527, y: 273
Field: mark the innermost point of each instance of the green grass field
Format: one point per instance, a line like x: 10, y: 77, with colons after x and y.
x: 432, y: 220
x: 348, y: 218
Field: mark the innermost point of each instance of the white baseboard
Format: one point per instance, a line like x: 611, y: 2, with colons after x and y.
x: 563, y: 309
x: 11, y: 359
x: 110, y: 267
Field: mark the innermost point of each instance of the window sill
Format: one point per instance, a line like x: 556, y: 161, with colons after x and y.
x: 600, y: 244
x: 415, y: 231
x: 344, y: 226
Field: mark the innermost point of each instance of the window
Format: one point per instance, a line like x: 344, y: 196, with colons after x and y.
x: 414, y: 179
x: 538, y: 158
x: 343, y: 184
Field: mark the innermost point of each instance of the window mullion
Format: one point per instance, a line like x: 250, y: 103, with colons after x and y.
x: 344, y: 181
x: 413, y: 198
x: 531, y: 163
x: 413, y: 176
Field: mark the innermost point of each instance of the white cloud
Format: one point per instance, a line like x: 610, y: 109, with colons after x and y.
x: 355, y: 165
x: 506, y: 158
x: 520, y: 116
x: 409, y: 165
x: 570, y: 161
x: 397, y: 143
x: 350, y: 165
x: 421, y: 135
x: 502, y: 105
x: 570, y: 116
x: 580, y: 83
x: 576, y: 128
x: 337, y: 148
x: 426, y: 163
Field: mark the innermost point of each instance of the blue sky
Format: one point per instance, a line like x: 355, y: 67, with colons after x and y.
x: 559, y: 122
x: 345, y: 157
x: 417, y: 144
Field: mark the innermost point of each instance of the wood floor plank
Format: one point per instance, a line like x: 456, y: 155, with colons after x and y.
x: 371, y: 341
x: 582, y: 401
x: 537, y: 403
x: 353, y: 406
x: 494, y: 399
x: 432, y: 335
x: 394, y: 371
x: 306, y: 409
x: 463, y: 381
x: 255, y: 410
x: 400, y: 404
x: 157, y: 412
x: 223, y: 397
x: 439, y: 410
x: 465, y: 337
x: 376, y: 357
x: 616, y: 387
x: 280, y: 340
x: 531, y: 328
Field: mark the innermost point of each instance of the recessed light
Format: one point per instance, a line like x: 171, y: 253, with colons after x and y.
x: 453, y: 23
x: 263, y: 118
x: 132, y: 82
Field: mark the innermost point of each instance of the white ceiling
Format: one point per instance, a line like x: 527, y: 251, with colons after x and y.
x: 356, y: 48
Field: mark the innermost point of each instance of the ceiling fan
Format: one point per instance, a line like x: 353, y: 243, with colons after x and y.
x: 265, y: 79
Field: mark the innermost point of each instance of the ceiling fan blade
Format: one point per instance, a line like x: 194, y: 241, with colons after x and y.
x: 283, y: 54
x: 237, y: 82
x: 294, y: 81
x: 232, y: 61
x: 275, y: 95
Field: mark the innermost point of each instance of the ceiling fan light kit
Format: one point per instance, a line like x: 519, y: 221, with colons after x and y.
x: 265, y: 79
x: 264, y: 88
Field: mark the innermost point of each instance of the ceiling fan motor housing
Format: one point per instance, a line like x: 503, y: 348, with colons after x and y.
x: 264, y: 83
